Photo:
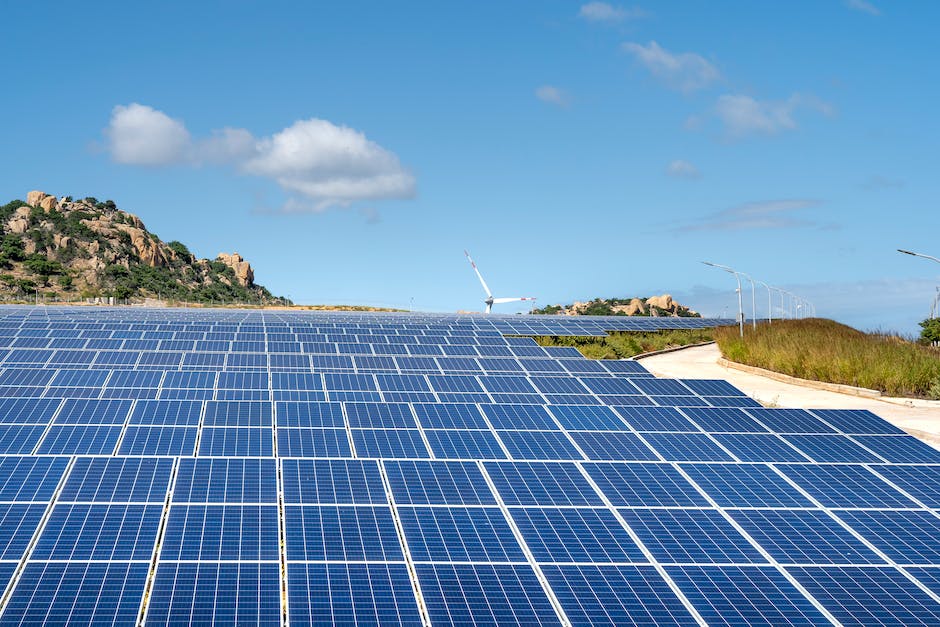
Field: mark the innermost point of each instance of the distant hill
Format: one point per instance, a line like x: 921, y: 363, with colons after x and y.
x: 661, y: 306
x: 87, y: 248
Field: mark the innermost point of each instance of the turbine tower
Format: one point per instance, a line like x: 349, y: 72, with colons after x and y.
x: 490, y: 301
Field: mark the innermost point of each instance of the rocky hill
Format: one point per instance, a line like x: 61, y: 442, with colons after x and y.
x: 71, y: 249
x: 653, y: 306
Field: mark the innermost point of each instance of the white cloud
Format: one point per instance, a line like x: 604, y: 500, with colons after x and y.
x: 684, y: 71
x: 863, y: 6
x: 603, y: 12
x: 553, y: 95
x: 141, y: 135
x: 743, y: 115
x: 682, y: 169
x: 321, y: 164
x: 773, y: 214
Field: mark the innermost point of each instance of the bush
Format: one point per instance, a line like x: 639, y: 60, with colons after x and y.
x: 12, y: 247
x: 39, y: 264
x: 180, y: 249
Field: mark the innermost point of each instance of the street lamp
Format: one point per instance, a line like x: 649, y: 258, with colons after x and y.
x: 740, y: 300
x: 770, y: 307
x: 907, y: 252
x: 753, y: 301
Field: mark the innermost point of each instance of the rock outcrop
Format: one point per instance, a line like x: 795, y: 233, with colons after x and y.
x: 652, y: 306
x: 75, y: 247
x: 243, y: 270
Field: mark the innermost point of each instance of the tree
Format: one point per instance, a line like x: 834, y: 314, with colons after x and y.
x: 930, y: 330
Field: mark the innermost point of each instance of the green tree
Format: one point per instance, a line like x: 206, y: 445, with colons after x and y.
x: 930, y: 330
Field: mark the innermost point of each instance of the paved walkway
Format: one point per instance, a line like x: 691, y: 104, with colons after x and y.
x: 922, y: 418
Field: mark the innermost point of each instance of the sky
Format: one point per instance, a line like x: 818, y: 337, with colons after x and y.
x: 352, y: 151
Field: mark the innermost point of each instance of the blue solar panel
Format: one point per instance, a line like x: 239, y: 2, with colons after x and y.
x: 380, y: 416
x: 18, y: 523
x: 907, y: 537
x: 158, y: 441
x: 616, y: 595
x: 790, y: 421
x: 497, y: 594
x: 577, y: 534
x: 655, y: 419
x: 538, y: 483
x: 900, y: 449
x: 459, y: 534
x: 519, y: 417
x: 117, y: 480
x: 302, y: 414
x: 693, y: 447
x: 238, y: 414
x: 389, y: 443
x: 464, y: 444
x: 588, y: 417
x: 213, y: 593
x: 744, y: 595
x: 69, y: 440
x: 221, y: 532
x: 869, y: 596
x: 296, y: 442
x: 28, y: 411
x: 723, y: 420
x: 919, y: 481
x: 548, y: 445
x: 165, y: 413
x: 362, y: 594
x: 30, y: 478
x: 603, y: 445
x: 78, y: 593
x: 745, y: 485
x: 86, y: 412
x: 845, y: 485
x: 831, y: 448
x: 336, y: 481
x: 450, y: 416
x: 210, y: 480
x: 804, y: 537
x: 439, y: 483
x: 856, y: 421
x: 759, y: 447
x: 99, y: 532
x: 236, y: 442
x: 341, y: 532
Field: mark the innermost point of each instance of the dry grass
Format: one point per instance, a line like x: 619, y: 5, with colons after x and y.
x: 824, y: 350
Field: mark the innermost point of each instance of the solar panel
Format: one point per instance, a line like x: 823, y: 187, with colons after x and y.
x: 193, y: 466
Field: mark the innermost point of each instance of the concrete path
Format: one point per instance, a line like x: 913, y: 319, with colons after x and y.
x: 921, y: 418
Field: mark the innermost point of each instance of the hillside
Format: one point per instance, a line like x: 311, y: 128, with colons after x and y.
x: 657, y: 306
x: 72, y: 249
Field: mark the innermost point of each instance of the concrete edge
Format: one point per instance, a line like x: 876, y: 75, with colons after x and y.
x: 668, y: 350
x: 785, y: 378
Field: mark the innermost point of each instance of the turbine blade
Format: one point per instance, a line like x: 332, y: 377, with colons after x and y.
x: 511, y: 300
x: 486, y: 288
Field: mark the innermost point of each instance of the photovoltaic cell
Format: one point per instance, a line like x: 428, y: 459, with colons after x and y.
x: 616, y: 595
x: 341, y: 532
x: 77, y: 592
x: 845, y: 485
x: 459, y: 534
x: 744, y: 595
x: 907, y: 537
x: 438, y: 483
x: 221, y: 532
x: 362, y: 594
x: 538, y: 483
x: 333, y: 481
x: 214, y: 593
x: 745, y: 485
x: 577, y: 534
x: 30, y: 478
x: 99, y: 532
x: 869, y: 596
x: 498, y: 594
x: 117, y: 480
x: 214, y: 480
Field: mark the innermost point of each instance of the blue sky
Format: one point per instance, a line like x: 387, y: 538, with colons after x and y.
x: 352, y: 151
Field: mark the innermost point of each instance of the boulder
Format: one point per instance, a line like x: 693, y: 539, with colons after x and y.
x: 664, y: 302
x: 35, y: 197
x: 18, y: 225
x: 49, y: 203
x: 243, y: 271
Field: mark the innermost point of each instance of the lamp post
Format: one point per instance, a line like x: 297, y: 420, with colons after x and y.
x: 907, y: 252
x: 770, y: 307
x: 740, y: 299
x: 753, y: 301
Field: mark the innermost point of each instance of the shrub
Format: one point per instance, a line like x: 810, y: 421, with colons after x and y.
x: 930, y: 330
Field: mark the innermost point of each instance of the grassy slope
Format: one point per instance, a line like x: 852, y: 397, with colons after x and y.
x: 628, y: 344
x: 824, y: 350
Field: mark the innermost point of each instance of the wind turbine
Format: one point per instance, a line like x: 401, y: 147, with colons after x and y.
x: 490, y: 301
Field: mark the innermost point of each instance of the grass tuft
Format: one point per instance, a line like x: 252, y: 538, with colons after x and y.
x: 824, y: 350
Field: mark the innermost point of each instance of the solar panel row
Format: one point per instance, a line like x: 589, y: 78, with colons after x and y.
x: 244, y: 480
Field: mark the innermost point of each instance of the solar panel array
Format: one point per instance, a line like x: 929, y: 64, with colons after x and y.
x: 179, y: 466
